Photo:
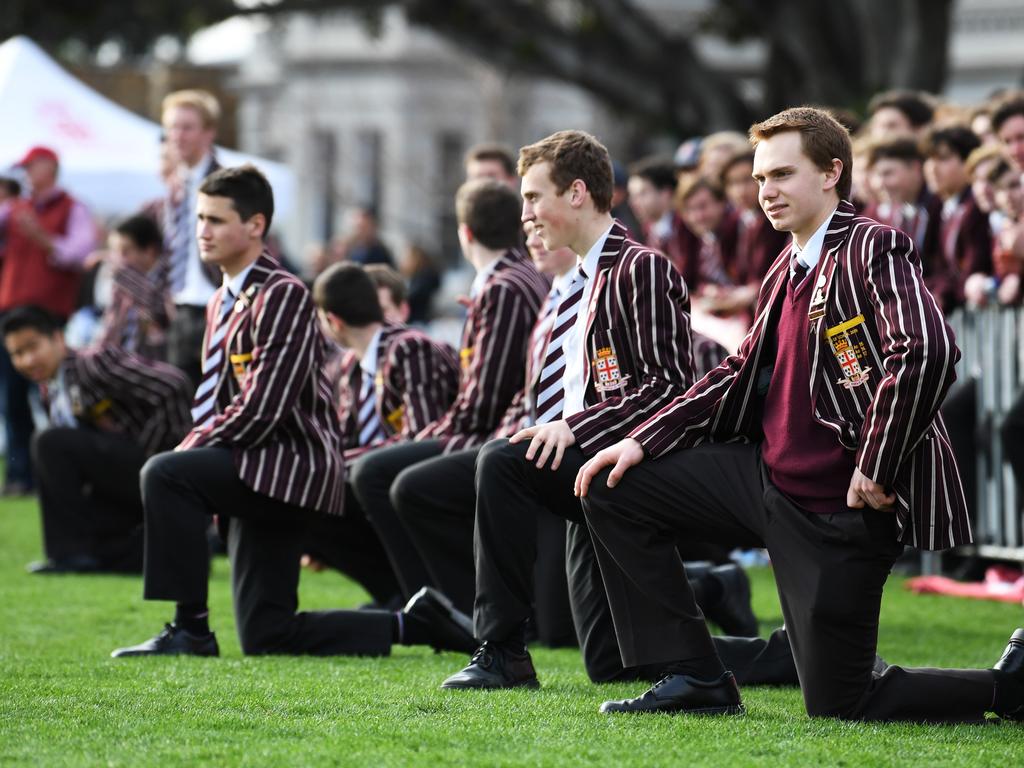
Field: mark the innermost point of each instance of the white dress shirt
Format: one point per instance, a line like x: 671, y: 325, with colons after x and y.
x: 810, y: 254
x: 197, y: 289
x: 576, y: 361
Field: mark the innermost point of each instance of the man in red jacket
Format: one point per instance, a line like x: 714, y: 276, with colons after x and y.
x: 46, y: 239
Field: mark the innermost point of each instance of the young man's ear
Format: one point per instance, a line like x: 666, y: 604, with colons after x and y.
x: 832, y: 175
x: 465, y: 234
x: 577, y: 193
x: 257, y: 225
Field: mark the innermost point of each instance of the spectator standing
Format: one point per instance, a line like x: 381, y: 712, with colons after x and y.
x: 47, y: 239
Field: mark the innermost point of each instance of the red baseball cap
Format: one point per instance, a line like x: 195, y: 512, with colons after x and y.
x: 38, y: 153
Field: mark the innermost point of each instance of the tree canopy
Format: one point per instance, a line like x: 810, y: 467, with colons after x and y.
x: 835, y: 53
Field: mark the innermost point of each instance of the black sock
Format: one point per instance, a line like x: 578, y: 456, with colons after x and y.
x: 1008, y: 694
x: 712, y: 590
x: 704, y: 668
x: 193, y: 618
x: 411, y: 630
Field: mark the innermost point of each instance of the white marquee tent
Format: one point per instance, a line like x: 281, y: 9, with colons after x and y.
x: 109, y: 155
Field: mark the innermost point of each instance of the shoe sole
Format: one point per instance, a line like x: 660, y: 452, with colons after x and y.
x: 531, y: 684
x: 453, y: 614
x: 736, y: 709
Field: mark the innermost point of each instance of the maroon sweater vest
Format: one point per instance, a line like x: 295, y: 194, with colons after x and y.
x: 804, y: 458
x: 27, y: 276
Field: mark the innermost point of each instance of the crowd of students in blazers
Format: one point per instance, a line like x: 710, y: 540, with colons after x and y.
x: 763, y: 365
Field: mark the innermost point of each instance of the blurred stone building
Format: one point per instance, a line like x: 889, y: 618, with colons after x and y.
x: 384, y: 119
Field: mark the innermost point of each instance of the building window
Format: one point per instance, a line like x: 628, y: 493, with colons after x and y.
x: 367, y: 178
x: 451, y: 150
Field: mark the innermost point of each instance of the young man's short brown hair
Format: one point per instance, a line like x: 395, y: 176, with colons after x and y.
x: 384, y: 276
x: 822, y: 136
x: 958, y: 139
x: 203, y: 102
x: 348, y: 291
x: 491, y: 211
x: 501, y: 153
x: 573, y: 155
x: 691, y: 186
x: 903, y: 148
x: 983, y: 154
x: 1007, y: 107
x: 746, y: 157
x: 917, y: 107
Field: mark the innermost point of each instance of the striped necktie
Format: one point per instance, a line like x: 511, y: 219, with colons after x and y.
x: 538, y: 347
x: 798, y: 273
x: 178, y: 242
x: 550, y: 392
x: 206, y: 394
x: 370, y: 429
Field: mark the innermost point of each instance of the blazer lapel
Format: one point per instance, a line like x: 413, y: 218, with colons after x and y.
x: 606, y: 261
x: 823, y: 288
x: 240, y: 312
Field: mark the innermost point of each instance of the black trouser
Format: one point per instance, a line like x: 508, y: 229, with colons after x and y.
x: 185, y: 340
x: 436, y: 501
x: 512, y: 495
x: 265, y: 537
x: 18, y: 424
x: 89, y: 495
x: 349, y: 544
x: 829, y: 569
x: 371, y: 478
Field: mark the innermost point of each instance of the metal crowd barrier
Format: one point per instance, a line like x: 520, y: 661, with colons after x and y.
x: 991, y: 342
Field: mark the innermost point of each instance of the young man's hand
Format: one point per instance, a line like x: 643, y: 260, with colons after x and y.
x: 863, y: 490
x: 545, y: 438
x: 621, y: 456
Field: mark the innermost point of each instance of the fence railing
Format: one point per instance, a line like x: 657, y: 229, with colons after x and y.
x: 991, y: 342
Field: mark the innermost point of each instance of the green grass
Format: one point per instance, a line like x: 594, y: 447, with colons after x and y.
x: 63, y: 701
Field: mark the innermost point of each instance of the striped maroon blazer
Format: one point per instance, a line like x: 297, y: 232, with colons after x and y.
x: 416, y: 381
x: 494, y: 343
x: 638, y: 320
x: 871, y: 279
x: 708, y: 354
x: 273, y: 401
x: 966, y: 247
x: 115, y: 391
x: 137, y: 317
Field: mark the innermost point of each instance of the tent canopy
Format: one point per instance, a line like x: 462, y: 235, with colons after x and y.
x: 108, y: 155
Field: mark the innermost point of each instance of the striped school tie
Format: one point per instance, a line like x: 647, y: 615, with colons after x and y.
x: 178, y: 242
x: 206, y: 394
x: 370, y: 429
x: 538, y: 348
x: 550, y: 392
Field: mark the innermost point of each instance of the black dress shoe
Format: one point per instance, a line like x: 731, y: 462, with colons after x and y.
x: 1011, y: 665
x: 683, y: 694
x: 495, y: 667
x: 173, y: 641
x: 449, y: 628
x: 732, y: 612
x: 71, y: 564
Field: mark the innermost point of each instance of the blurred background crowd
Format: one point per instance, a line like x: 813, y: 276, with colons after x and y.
x: 367, y: 116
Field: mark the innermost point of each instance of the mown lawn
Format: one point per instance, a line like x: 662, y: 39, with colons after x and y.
x: 63, y: 701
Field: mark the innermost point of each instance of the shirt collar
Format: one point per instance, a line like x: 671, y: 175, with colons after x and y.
x: 197, y: 172
x: 810, y: 255
x: 561, y: 283
x: 589, y: 262
x: 662, y: 228
x: 482, y: 276
x: 368, y: 362
x: 236, y: 283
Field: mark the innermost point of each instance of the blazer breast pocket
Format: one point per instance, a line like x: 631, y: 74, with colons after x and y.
x: 606, y: 369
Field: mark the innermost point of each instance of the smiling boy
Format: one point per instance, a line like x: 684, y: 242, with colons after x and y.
x: 820, y: 439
